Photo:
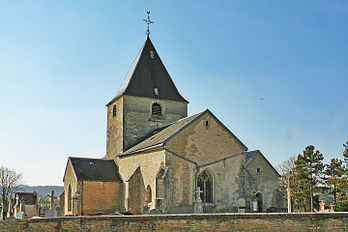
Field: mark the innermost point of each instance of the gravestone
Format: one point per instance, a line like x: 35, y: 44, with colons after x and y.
x: 241, y: 205
x: 155, y: 211
x: 322, y: 206
x: 255, y: 206
x: 20, y: 215
x: 198, y: 206
x: 9, y: 207
x: 51, y: 212
x: 18, y: 208
x: 159, y: 203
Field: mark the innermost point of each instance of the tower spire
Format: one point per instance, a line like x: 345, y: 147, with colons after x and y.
x: 148, y: 22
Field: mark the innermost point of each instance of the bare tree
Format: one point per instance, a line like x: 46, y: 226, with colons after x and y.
x: 287, y: 165
x: 9, y: 180
x: 286, y: 170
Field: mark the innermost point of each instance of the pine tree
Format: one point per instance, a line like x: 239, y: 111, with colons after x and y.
x: 345, y: 154
x: 334, y: 173
x: 309, y: 168
x: 342, y: 193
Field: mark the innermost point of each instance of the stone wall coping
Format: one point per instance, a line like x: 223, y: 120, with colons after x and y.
x: 186, y: 216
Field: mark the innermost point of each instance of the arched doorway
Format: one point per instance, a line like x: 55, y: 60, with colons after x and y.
x: 259, y: 202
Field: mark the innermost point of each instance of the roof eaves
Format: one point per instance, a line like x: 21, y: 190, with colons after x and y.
x: 100, y: 180
x: 156, y: 146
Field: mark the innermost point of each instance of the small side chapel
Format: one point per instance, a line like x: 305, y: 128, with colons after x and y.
x: 159, y: 160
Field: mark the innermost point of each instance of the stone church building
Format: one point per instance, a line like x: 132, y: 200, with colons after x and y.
x: 160, y: 160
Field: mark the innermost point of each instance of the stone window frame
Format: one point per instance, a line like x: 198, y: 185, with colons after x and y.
x: 213, y: 191
x: 206, y: 123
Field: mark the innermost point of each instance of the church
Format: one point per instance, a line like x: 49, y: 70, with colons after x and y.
x: 160, y: 160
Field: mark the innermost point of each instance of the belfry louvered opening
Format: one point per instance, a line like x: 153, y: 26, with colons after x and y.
x: 156, y: 109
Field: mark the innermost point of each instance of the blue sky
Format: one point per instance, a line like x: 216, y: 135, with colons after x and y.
x: 274, y: 72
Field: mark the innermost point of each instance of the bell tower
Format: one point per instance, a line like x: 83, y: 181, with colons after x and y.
x: 147, y: 100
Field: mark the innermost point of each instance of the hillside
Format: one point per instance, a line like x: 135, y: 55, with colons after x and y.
x: 41, y: 190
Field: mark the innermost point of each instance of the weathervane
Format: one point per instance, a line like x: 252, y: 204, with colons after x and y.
x: 148, y: 22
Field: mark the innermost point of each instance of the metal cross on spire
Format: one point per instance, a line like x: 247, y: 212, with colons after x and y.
x: 148, y: 22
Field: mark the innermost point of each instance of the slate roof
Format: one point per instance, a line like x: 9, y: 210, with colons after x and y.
x: 146, y: 74
x: 162, y: 135
x: 29, y: 198
x: 95, y: 169
x: 250, y: 155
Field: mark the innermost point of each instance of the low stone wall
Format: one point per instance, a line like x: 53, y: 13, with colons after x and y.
x: 332, y: 222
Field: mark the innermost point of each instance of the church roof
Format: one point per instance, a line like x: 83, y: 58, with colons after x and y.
x: 162, y: 135
x: 148, y: 77
x: 95, y: 169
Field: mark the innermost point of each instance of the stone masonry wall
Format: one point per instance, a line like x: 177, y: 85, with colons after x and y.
x: 134, y: 120
x: 114, y: 128
x: 69, y: 180
x: 204, y: 141
x: 106, y: 197
x: 190, y: 222
x: 138, y: 120
x: 149, y: 164
x: 265, y: 181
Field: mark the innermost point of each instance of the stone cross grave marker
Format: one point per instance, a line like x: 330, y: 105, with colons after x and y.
x: 198, y: 207
x: 198, y: 193
x: 52, y: 197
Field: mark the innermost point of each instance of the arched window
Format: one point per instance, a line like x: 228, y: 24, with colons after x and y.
x: 156, y: 109
x: 148, y: 194
x: 114, y: 111
x: 69, y: 198
x: 205, y: 183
